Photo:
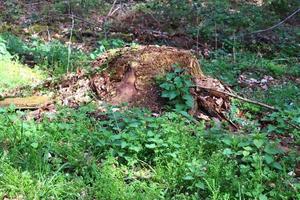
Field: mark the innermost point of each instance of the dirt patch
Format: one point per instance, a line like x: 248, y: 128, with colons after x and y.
x: 147, y: 29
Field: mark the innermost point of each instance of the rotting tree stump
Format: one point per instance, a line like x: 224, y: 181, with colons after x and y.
x: 128, y: 76
x: 130, y: 72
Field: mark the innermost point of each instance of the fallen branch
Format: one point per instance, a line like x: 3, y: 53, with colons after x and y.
x: 241, y: 98
x: 28, y: 108
x: 272, y: 27
x: 276, y: 25
x: 249, y: 101
x: 293, y: 125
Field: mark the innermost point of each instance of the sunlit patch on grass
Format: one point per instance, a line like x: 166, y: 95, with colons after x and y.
x: 14, y: 74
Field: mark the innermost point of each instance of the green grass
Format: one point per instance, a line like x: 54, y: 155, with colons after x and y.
x: 13, y: 74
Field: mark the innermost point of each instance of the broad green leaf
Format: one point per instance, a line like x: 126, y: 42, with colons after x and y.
x: 244, y: 143
x: 123, y: 144
x: 180, y: 107
x: 165, y: 86
x: 200, y: 185
x: 188, y: 178
x: 134, y: 124
x: 173, y: 155
x: 188, y: 82
x: 258, y: 142
x: 277, y: 165
x: 150, y: 133
x: 227, y: 151
x: 247, y: 148
x: 93, y: 56
x: 178, y: 82
x: 116, y: 137
x: 135, y: 148
x: 269, y: 159
x: 34, y: 145
x: 263, y: 197
x: 271, y: 149
x: 189, y: 100
x: 170, y: 76
x: 178, y: 70
x: 227, y: 141
x: 169, y: 94
x: 246, y: 153
x: 271, y: 128
x: 150, y: 146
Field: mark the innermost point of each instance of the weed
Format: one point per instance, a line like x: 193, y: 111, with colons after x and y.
x: 54, y: 57
x: 176, y: 88
x: 51, y: 56
x: 105, y: 45
x: 4, y: 53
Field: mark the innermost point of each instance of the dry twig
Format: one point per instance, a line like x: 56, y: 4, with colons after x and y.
x: 249, y: 101
x: 272, y: 27
x: 239, y: 97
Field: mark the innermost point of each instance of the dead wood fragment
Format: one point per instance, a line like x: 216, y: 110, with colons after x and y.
x: 297, y: 169
x: 29, y: 103
x: 246, y: 100
x: 239, y: 97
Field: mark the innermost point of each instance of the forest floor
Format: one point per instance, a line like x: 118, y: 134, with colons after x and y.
x: 76, y: 148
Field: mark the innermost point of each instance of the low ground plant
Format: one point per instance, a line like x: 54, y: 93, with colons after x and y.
x: 132, y: 155
x: 175, y: 86
x: 55, y: 57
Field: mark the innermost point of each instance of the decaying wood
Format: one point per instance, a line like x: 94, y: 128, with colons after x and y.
x: 130, y: 76
x: 239, y: 97
x: 127, y: 75
x: 249, y: 101
x: 28, y: 103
